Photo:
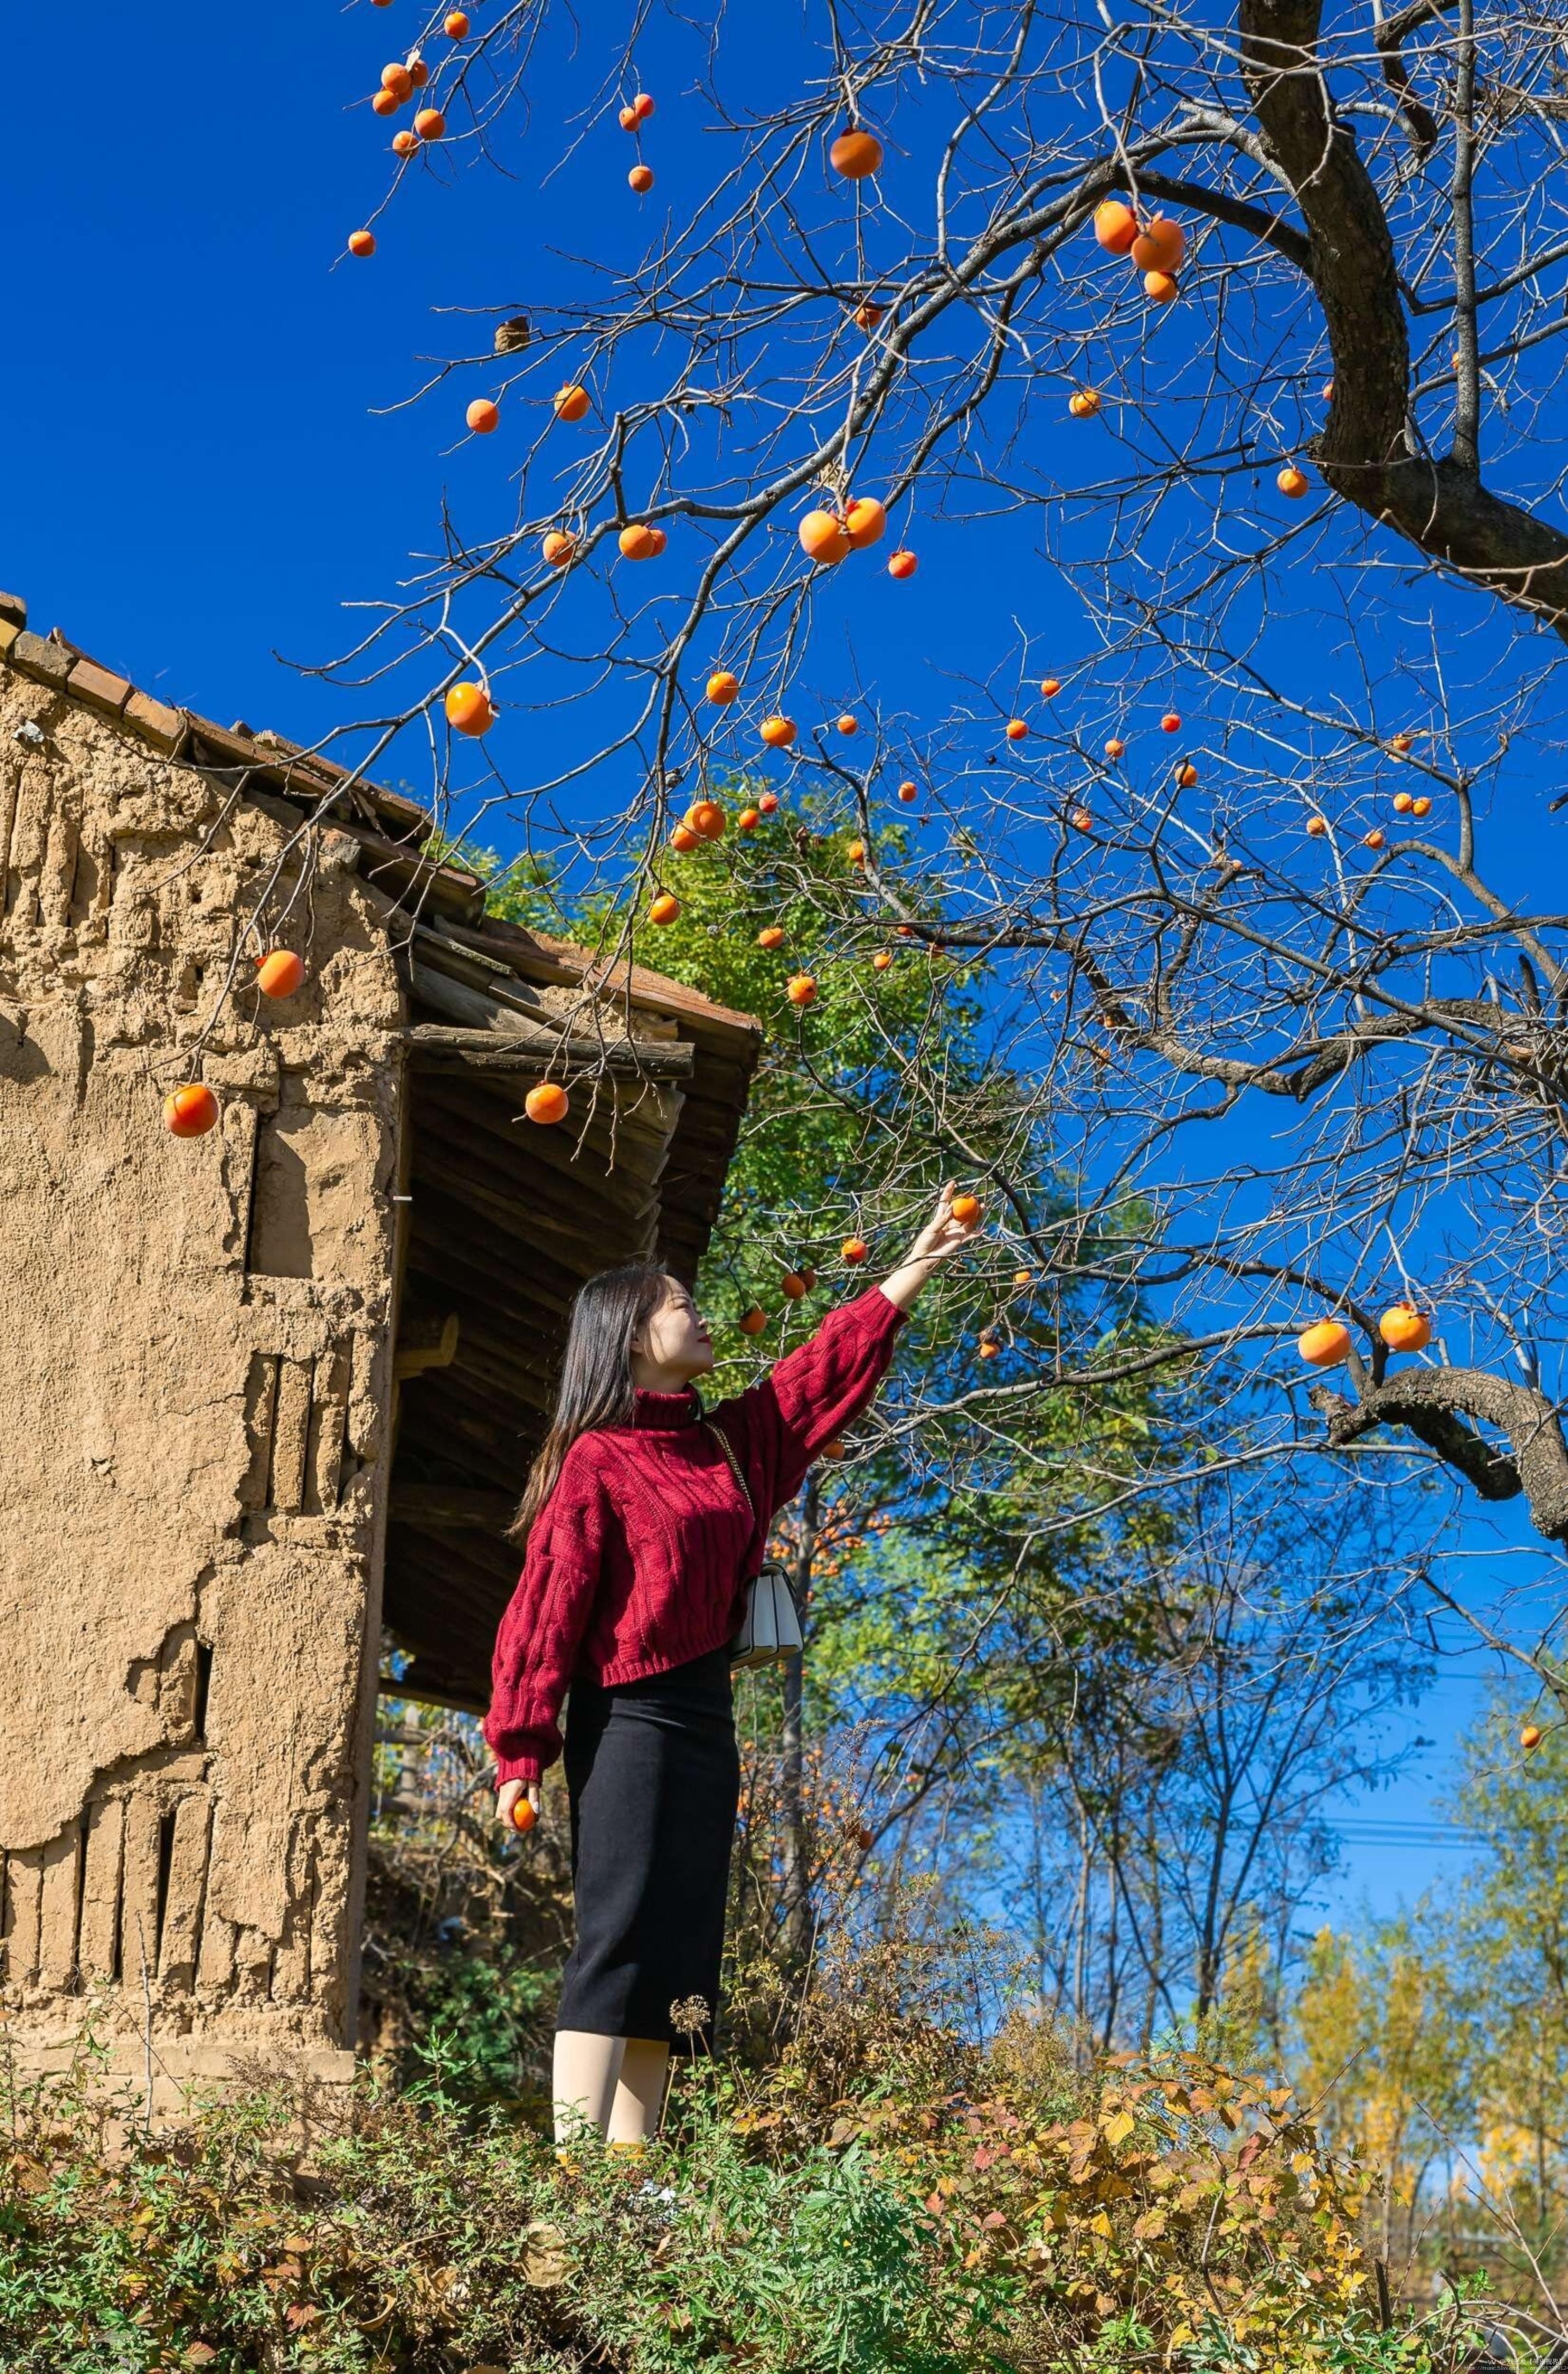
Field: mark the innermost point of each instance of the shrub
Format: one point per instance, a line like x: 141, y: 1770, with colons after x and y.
x: 956, y: 2211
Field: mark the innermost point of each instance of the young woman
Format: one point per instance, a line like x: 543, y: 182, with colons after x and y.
x: 641, y: 1529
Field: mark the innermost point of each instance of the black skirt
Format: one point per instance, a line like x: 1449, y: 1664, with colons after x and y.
x: 654, y: 1774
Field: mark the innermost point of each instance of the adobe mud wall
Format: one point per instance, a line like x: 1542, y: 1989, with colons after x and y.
x: 192, y: 1409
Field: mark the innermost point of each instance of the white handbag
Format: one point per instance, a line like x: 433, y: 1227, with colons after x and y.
x: 769, y: 1630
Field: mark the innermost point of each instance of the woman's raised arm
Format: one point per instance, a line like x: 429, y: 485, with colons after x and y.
x: 783, y: 1424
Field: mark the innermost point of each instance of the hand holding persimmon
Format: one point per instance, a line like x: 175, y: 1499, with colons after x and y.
x: 517, y: 1804
x: 952, y: 1224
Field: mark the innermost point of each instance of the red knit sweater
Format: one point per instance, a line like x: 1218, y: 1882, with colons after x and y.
x: 640, y: 1559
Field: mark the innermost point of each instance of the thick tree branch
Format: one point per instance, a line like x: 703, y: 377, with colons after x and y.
x: 1391, y: 36
x: 1431, y: 1404
x: 1365, y: 451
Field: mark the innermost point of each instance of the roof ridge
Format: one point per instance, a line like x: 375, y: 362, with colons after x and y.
x: 186, y: 736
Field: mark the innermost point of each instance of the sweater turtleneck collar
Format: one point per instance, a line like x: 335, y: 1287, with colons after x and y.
x: 666, y: 1412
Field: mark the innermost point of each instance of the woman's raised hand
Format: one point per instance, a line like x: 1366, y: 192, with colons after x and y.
x: 954, y: 1222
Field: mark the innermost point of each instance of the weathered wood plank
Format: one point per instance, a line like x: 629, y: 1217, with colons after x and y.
x: 24, y: 1889
x: 60, y: 1872
x: 290, y: 1439
x: 447, y: 1046
x: 101, y: 1888
x: 444, y: 1507
x: 138, y: 1898
x: 187, y: 1890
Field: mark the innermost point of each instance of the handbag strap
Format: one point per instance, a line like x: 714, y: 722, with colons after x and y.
x: 731, y: 1462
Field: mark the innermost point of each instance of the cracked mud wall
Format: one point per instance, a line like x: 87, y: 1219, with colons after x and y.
x: 191, y: 1405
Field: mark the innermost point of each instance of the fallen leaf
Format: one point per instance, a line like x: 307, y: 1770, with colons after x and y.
x: 543, y: 2255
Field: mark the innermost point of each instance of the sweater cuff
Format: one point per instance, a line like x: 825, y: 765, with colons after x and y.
x: 893, y: 1318
x: 515, y: 1767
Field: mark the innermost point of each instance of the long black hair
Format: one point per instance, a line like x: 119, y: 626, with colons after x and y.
x: 595, y: 1375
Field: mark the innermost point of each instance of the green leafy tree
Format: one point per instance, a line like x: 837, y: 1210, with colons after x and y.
x: 976, y: 1462
x: 1437, y: 2042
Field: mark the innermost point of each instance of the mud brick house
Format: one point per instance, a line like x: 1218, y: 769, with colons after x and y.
x: 265, y: 1391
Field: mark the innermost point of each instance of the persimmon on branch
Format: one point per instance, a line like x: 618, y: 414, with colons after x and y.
x: 1278, y: 1000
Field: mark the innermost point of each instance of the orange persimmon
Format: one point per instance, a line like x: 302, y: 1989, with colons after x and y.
x: 546, y: 1103
x: 824, y: 538
x: 189, y: 1111
x: 1115, y: 226
x: 279, y: 973
x: 1325, y: 1344
x: 1160, y: 245
x: 469, y: 709
x: 856, y: 154
x: 865, y: 520
x: 1404, y: 1328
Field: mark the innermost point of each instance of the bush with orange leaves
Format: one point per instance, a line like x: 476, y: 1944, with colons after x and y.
x: 888, y: 2192
x: 1167, y: 2213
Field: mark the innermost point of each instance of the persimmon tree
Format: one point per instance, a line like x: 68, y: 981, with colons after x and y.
x: 898, y: 1571
x: 1284, y: 995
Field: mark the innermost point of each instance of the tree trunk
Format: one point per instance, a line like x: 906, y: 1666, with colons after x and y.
x: 1366, y: 452
x: 1080, y: 1940
x: 792, y: 1745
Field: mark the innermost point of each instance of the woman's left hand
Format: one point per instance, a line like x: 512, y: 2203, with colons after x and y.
x: 943, y: 1234
x: 941, y: 1238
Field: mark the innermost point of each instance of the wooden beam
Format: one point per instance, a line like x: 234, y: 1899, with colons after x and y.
x: 474, y: 1008
x: 599, y: 1236
x: 544, y: 958
x: 479, y: 965
x: 452, y: 1508
x: 444, y: 1689
x: 425, y: 1342
x: 534, y: 1175
x: 613, y: 1146
x: 517, y: 1048
x: 397, y: 869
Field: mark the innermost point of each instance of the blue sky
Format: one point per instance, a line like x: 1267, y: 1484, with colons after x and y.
x: 200, y: 467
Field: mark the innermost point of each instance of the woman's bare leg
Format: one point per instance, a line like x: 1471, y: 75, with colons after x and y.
x: 639, y: 2092
x: 585, y: 2075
